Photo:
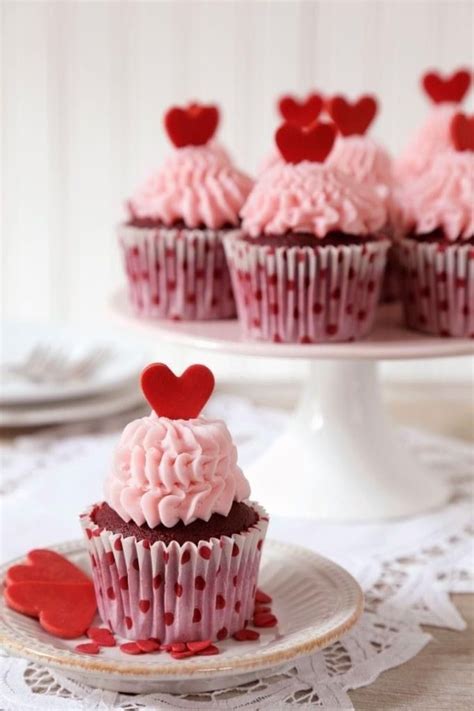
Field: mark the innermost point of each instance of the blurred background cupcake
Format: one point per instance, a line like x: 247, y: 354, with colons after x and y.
x: 172, y: 241
x: 433, y: 136
x: 309, y: 262
x: 437, y: 252
x: 175, y: 547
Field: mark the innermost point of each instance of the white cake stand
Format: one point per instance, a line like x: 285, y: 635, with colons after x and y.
x: 340, y: 458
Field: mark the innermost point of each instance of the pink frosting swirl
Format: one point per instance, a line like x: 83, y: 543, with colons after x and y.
x: 432, y: 138
x: 196, y: 184
x: 311, y: 197
x: 167, y: 471
x: 442, y: 198
x: 365, y: 160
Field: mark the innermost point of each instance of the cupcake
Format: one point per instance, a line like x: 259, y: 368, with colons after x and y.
x: 176, y: 544
x: 301, y: 112
x: 436, y: 254
x: 309, y: 262
x: 172, y: 241
x: 433, y: 137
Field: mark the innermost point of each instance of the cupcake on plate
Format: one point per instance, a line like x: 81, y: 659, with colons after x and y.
x: 433, y: 137
x: 309, y: 262
x: 300, y: 112
x: 436, y: 254
x: 172, y: 241
x: 176, y: 545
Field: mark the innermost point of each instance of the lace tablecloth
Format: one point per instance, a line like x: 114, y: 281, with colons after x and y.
x: 407, y: 569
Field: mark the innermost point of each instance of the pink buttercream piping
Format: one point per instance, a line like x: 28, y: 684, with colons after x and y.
x: 432, y: 138
x: 198, y: 185
x: 311, y: 197
x: 167, y: 471
x: 365, y: 160
x: 442, y: 198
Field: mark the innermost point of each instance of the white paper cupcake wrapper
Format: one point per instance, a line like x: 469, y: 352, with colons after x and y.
x: 176, y: 593
x: 306, y: 294
x: 437, y: 284
x: 177, y: 273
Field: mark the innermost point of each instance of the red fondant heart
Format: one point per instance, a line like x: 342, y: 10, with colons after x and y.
x: 42, y: 566
x: 65, y: 610
x: 194, y: 125
x: 312, y: 143
x: 452, y: 88
x: 352, y: 119
x: 301, y: 113
x: 462, y: 132
x: 176, y: 397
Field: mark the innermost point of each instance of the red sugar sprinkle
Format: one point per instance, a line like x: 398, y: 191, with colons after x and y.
x: 148, y: 645
x: 130, y: 648
x: 178, y: 647
x: 101, y: 636
x: 264, y: 619
x: 181, y: 655
x: 261, y: 596
x: 208, y: 651
x: 87, y: 648
x: 198, y: 646
x: 246, y: 635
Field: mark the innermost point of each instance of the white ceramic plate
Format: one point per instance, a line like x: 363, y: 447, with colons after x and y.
x: 79, y: 410
x: 315, y: 601
x: 19, y: 339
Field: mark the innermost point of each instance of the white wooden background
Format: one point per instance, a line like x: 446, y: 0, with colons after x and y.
x: 85, y: 85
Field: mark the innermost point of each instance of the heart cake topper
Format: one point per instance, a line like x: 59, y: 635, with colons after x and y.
x: 299, y: 143
x: 462, y: 132
x: 301, y: 113
x: 193, y: 125
x: 447, y: 89
x: 177, y: 397
x: 352, y: 119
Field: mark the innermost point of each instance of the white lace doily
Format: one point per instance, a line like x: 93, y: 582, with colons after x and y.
x: 407, y: 569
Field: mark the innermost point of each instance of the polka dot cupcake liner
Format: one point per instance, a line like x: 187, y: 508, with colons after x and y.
x: 177, y: 273
x: 306, y: 294
x: 175, y: 592
x: 437, y: 284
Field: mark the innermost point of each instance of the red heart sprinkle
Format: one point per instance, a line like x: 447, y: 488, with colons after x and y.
x: 312, y: 143
x: 264, y: 619
x: 130, y: 648
x: 176, y: 397
x: 352, y: 118
x: 65, y: 610
x: 193, y: 125
x: 198, y: 646
x: 262, y: 608
x: 462, y: 132
x: 42, y: 565
x: 181, y: 655
x: 303, y: 112
x: 209, y: 651
x: 148, y: 645
x: 87, y: 648
x: 178, y: 647
x: 246, y: 635
x: 262, y: 597
x: 101, y: 636
x: 446, y: 89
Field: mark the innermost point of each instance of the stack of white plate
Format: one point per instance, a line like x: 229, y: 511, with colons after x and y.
x: 110, y: 388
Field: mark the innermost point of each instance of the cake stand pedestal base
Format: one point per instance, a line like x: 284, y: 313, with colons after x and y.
x: 340, y: 458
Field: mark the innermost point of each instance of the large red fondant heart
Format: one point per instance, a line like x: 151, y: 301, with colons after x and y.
x: 64, y: 609
x: 42, y: 566
x: 194, y: 125
x: 312, y: 143
x: 462, y: 132
x: 352, y: 118
x: 179, y: 398
x: 302, y: 113
x: 447, y: 89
